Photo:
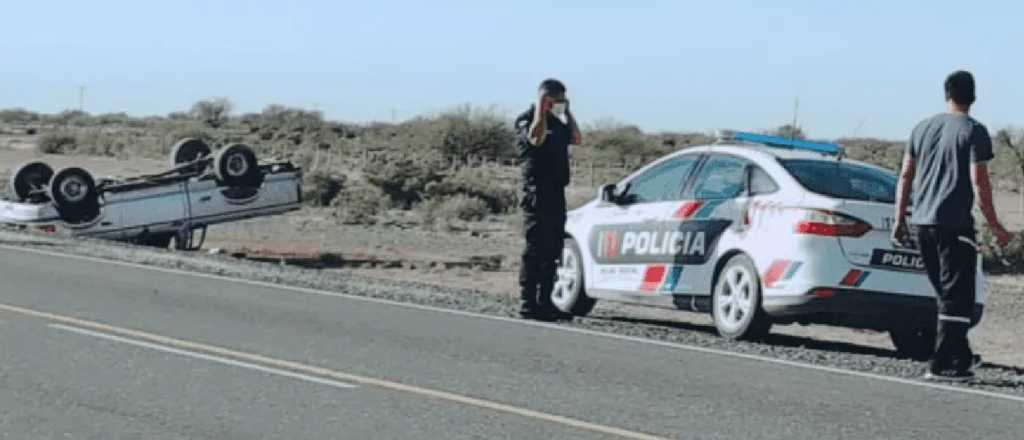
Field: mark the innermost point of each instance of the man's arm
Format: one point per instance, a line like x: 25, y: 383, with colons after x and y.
x: 983, y: 192
x: 906, y: 179
x: 981, y: 153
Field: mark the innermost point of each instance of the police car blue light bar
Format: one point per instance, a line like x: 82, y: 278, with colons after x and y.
x: 781, y: 142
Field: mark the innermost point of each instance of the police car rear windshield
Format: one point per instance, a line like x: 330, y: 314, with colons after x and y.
x: 843, y: 180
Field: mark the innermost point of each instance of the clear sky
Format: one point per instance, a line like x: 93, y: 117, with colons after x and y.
x: 859, y: 67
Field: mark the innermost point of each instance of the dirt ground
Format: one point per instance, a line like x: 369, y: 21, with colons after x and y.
x: 315, y: 230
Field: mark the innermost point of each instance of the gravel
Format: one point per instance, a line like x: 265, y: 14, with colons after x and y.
x: 997, y: 378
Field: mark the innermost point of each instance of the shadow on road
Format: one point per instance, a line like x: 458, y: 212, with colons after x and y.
x: 776, y: 340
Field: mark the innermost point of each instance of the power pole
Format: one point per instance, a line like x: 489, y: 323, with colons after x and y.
x: 81, y: 98
x: 796, y: 109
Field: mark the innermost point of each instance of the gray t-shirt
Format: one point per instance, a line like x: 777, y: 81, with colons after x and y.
x: 943, y: 147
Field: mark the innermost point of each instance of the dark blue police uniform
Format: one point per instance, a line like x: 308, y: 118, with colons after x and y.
x: 545, y: 174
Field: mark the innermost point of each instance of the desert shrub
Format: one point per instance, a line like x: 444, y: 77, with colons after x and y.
x: 76, y: 118
x: 31, y: 131
x: 18, y: 116
x: 1008, y: 260
x: 887, y: 154
x: 444, y: 210
x: 321, y: 188
x: 57, y: 143
x: 463, y: 134
x: 403, y: 180
x: 609, y: 142
x: 359, y: 204
x: 213, y: 112
x: 478, y: 183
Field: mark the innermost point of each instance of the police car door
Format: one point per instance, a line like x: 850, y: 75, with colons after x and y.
x: 633, y: 242
x: 716, y: 198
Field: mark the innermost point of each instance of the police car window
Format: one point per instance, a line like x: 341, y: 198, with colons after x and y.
x: 844, y: 180
x: 761, y: 182
x: 663, y: 182
x: 720, y: 178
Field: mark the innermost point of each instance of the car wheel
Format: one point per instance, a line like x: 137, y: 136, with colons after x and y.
x: 568, y: 295
x: 189, y: 150
x: 73, y: 191
x: 736, y: 301
x: 30, y: 180
x: 914, y: 342
x: 236, y: 165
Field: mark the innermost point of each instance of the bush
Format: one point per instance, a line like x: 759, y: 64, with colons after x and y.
x: 403, y: 180
x: 321, y: 188
x: 18, y: 116
x: 57, y: 143
x: 613, y: 143
x: 1009, y: 260
x: 463, y: 134
x: 458, y: 207
x: 886, y: 154
x: 479, y: 183
x: 359, y: 204
x: 213, y: 112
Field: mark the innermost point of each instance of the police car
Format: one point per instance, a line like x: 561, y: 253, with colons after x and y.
x: 756, y: 230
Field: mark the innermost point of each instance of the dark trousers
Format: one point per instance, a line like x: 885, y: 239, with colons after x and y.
x: 951, y: 257
x: 544, y: 229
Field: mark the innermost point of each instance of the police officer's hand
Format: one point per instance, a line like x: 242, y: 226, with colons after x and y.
x: 544, y: 103
x: 1003, y: 237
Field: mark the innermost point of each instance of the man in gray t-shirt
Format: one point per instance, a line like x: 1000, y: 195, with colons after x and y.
x: 944, y: 166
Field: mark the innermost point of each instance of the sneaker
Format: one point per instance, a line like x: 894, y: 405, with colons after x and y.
x: 949, y: 376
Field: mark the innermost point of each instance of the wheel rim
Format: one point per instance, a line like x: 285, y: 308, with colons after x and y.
x: 734, y: 298
x: 74, y: 189
x: 567, y: 281
x: 237, y: 165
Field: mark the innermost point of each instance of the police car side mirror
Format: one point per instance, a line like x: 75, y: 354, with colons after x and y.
x: 607, y: 193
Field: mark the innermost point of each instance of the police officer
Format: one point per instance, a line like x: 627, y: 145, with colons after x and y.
x: 545, y: 132
x: 944, y: 166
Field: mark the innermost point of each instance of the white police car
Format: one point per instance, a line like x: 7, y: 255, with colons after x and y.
x: 757, y: 230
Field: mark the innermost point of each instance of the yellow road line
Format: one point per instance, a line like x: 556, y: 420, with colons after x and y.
x: 329, y: 373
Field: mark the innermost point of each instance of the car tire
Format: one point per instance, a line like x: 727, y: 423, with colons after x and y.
x: 916, y: 342
x: 73, y: 192
x: 569, y: 294
x: 736, y: 301
x: 236, y: 165
x: 28, y: 179
x: 189, y: 150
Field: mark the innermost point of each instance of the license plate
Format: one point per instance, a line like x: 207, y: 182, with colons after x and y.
x: 897, y: 260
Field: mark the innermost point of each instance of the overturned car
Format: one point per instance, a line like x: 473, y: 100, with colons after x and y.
x: 200, y: 188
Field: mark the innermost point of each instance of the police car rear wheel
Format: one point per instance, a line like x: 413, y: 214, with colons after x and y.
x: 736, y: 307
x: 568, y: 294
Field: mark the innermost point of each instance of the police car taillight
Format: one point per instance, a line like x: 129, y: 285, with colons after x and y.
x: 831, y: 224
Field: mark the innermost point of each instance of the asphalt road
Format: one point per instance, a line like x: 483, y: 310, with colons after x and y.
x: 92, y: 350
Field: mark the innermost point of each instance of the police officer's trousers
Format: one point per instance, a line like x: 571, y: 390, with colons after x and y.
x: 544, y: 228
x: 950, y: 257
